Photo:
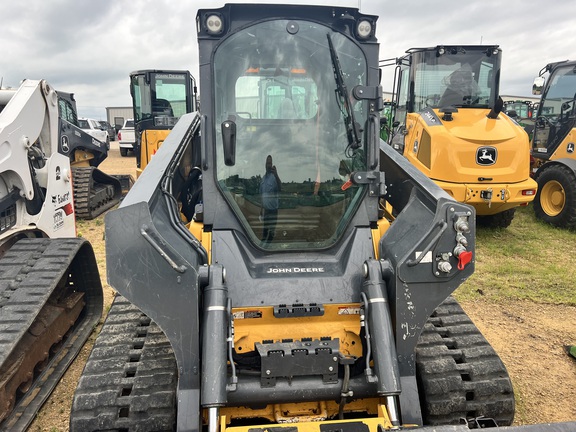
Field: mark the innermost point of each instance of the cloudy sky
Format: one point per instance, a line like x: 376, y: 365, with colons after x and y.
x: 88, y: 47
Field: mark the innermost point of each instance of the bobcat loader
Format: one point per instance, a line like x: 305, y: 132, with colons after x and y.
x: 281, y: 268
x: 50, y: 289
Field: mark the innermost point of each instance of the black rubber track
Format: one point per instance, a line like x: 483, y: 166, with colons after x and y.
x: 129, y: 382
x: 29, y: 272
x: 89, y: 185
x: 459, y: 372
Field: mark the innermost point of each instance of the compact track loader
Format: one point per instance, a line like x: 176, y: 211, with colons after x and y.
x: 280, y: 268
x: 94, y: 190
x: 50, y: 289
x: 553, y: 145
x: 159, y: 99
x: 448, y: 122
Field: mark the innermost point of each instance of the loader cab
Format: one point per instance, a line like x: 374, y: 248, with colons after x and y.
x: 556, y: 115
x: 289, y: 127
x: 448, y: 76
x: 74, y: 142
x: 159, y: 99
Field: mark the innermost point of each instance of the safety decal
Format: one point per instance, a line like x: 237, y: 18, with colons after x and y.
x: 249, y: 314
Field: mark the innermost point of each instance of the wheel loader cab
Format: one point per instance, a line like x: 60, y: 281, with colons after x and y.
x: 556, y: 115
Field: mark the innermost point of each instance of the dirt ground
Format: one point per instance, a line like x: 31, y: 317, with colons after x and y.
x: 529, y: 337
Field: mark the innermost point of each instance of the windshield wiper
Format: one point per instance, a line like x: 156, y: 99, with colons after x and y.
x: 350, y: 123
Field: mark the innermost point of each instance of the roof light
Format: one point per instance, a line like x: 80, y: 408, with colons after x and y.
x: 214, y: 24
x: 364, y: 29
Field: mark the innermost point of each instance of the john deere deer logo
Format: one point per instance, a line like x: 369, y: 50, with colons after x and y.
x: 486, y: 156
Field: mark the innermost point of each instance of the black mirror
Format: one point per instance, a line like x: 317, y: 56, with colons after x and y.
x: 229, y: 142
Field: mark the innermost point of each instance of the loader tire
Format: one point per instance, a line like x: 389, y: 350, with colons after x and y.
x: 555, y: 201
x: 498, y: 220
x: 459, y: 374
x: 129, y: 382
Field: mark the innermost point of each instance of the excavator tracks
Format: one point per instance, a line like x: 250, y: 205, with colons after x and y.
x: 50, y: 301
x: 94, y: 192
x: 460, y: 374
x: 129, y: 381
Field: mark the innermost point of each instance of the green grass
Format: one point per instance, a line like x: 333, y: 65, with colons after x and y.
x: 529, y: 260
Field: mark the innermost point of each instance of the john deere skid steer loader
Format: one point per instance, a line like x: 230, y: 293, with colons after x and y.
x: 50, y: 289
x: 279, y: 267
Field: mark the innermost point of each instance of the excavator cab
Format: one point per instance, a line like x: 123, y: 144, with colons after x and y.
x: 159, y: 99
x: 448, y: 122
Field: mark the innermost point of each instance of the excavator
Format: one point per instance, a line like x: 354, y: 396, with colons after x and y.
x: 159, y: 99
x: 553, y: 143
x: 94, y: 191
x: 448, y: 122
x: 50, y: 289
x: 281, y: 268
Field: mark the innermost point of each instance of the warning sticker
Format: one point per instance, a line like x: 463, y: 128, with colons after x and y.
x: 427, y: 257
x: 349, y: 311
x: 247, y: 314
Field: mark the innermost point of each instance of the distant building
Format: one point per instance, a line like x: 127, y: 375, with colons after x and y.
x: 117, y: 115
x: 532, y: 99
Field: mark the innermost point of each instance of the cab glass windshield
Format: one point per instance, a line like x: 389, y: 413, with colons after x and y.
x: 276, y: 82
x: 459, y: 77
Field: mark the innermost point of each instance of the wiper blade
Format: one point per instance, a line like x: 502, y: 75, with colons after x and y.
x: 342, y: 92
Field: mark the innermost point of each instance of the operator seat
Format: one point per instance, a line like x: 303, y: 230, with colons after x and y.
x: 287, y: 110
x: 162, y: 107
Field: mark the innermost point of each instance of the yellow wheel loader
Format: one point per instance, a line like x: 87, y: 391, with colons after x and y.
x: 448, y: 122
x: 159, y: 99
x: 280, y: 268
x: 50, y: 289
x: 553, y: 145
